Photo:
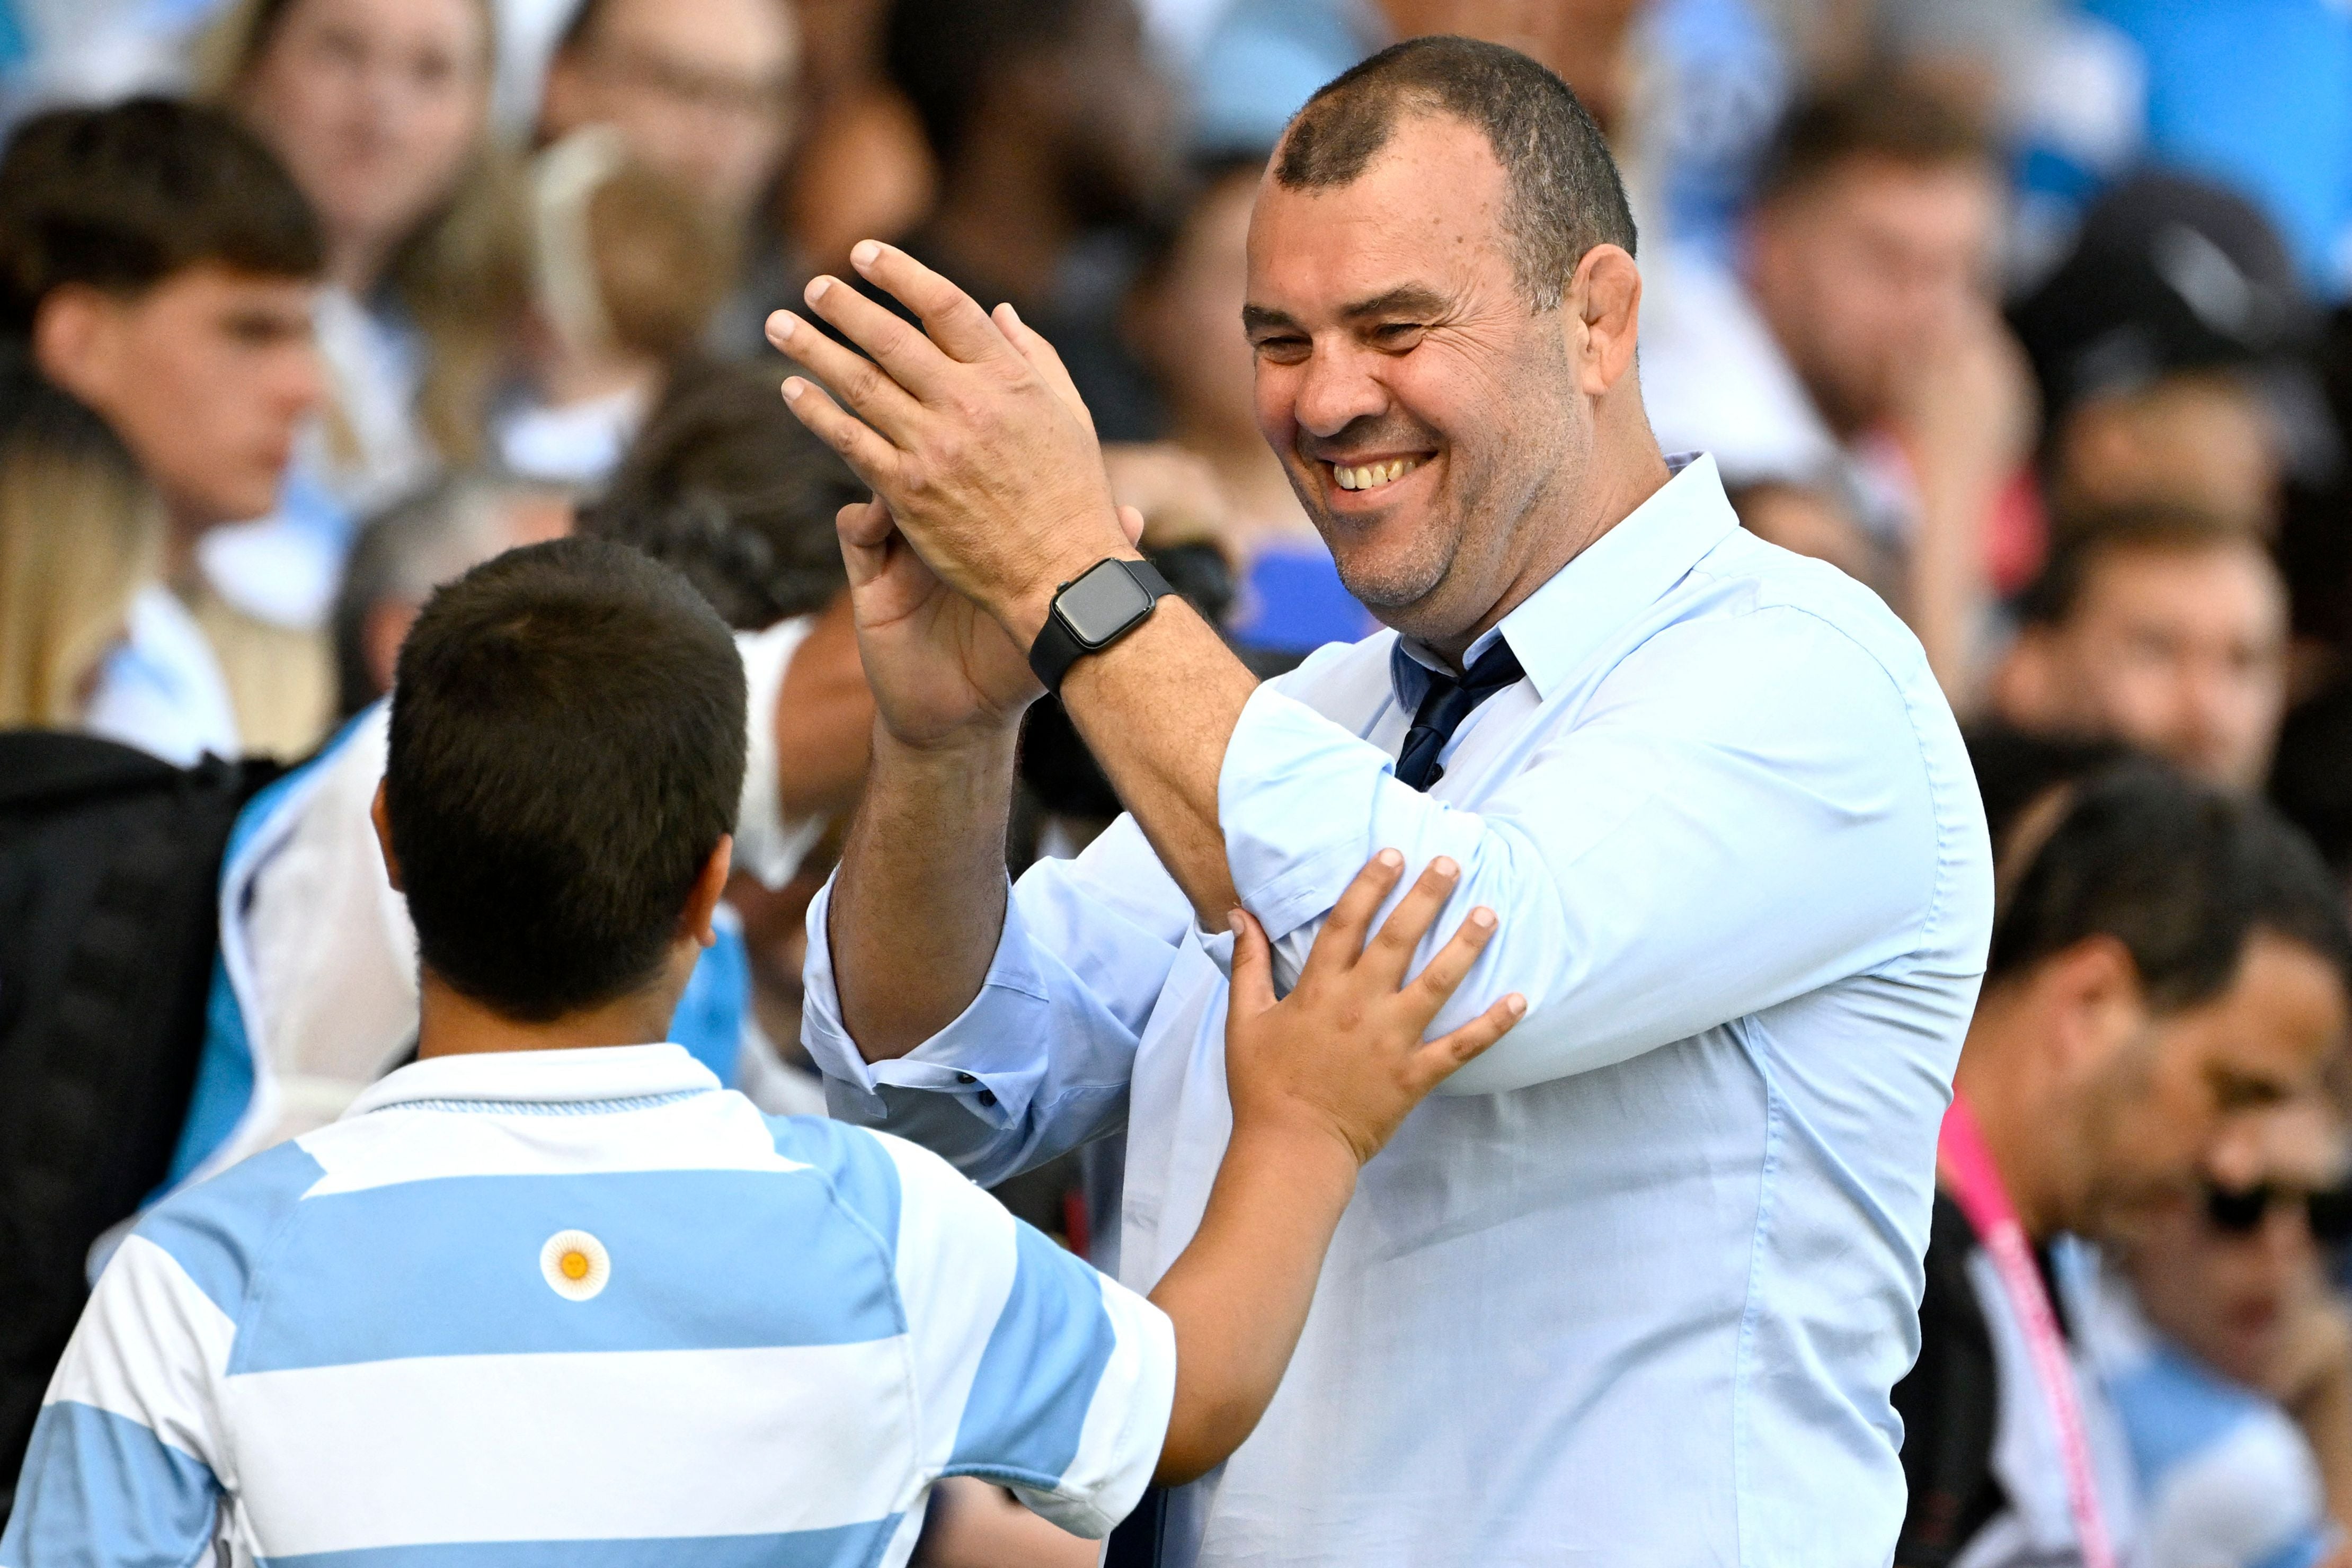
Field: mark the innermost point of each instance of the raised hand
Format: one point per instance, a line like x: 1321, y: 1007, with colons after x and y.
x: 975, y: 442
x: 1344, y: 1050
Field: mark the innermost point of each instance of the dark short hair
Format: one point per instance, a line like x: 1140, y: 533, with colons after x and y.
x: 567, y: 750
x: 726, y: 485
x: 124, y: 197
x: 944, y: 54
x: 2180, y: 873
x: 1566, y: 195
x: 1887, y: 119
x: 2082, y: 545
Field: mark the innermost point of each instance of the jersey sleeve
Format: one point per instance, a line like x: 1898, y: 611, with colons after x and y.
x: 123, y: 1465
x: 1034, y: 1370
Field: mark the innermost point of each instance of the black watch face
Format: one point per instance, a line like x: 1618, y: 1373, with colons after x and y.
x: 1102, y: 603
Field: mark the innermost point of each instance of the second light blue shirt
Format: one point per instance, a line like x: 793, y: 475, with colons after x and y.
x: 1634, y: 1287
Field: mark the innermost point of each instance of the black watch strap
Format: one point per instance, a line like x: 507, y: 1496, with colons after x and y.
x: 1091, y: 611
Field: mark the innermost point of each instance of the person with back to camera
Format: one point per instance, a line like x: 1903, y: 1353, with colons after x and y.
x: 1635, y: 1288
x: 549, y: 1293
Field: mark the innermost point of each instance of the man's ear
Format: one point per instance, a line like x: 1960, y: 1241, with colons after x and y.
x: 2092, y: 1000
x: 702, y: 899
x: 72, y: 341
x: 1606, y: 299
x: 383, y: 821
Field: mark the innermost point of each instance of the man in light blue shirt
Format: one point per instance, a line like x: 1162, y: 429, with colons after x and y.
x: 1633, y: 1287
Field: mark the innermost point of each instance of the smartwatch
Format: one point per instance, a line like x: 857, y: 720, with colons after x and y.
x: 1091, y: 611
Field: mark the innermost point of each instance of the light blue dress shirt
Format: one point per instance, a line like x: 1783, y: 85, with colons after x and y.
x: 1633, y: 1288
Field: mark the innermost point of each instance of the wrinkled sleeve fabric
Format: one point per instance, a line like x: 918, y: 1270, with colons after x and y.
x: 1740, y: 814
x: 1032, y: 1370
x: 1038, y: 1063
x: 122, y: 1466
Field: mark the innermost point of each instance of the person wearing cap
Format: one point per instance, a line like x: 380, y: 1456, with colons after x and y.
x: 2163, y: 347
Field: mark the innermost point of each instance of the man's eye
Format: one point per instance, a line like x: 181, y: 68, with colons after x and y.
x: 1283, y: 348
x: 1398, y: 334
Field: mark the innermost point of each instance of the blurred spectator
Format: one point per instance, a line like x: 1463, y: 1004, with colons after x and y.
x: 2019, y: 774
x: 1859, y: 354
x: 2257, y: 94
x: 405, y: 553
x: 2161, y: 627
x: 80, y: 540
x: 627, y: 271
x: 1052, y: 131
x: 161, y: 266
x: 380, y: 110
x: 2168, y: 959
x: 861, y: 167
x: 1263, y: 58
x: 1185, y: 320
x: 2163, y: 348
x: 704, y: 94
x: 2226, y: 1300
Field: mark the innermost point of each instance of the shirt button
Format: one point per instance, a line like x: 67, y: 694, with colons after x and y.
x: 966, y: 1078
x: 985, y: 1098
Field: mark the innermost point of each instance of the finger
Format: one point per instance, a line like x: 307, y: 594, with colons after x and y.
x: 1131, y: 523
x: 1443, y: 974
x: 1390, y: 953
x: 869, y: 456
x: 1042, y: 358
x: 1253, y: 983
x: 1437, y: 1060
x: 1341, y: 939
x: 953, y: 319
x: 864, y: 528
x: 874, y: 389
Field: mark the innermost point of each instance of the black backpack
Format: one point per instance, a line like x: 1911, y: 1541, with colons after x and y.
x: 110, y: 896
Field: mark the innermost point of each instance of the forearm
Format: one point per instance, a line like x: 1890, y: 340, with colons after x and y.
x: 1157, y: 709
x: 1239, y: 1293
x: 919, y: 903
x: 1948, y: 586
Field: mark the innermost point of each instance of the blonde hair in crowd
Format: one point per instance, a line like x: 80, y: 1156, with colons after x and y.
x: 460, y: 275
x: 79, y: 532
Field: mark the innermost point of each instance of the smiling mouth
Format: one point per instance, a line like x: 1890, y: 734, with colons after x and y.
x: 1372, y: 476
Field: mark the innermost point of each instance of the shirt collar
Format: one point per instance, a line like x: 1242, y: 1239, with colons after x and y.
x: 1617, y: 577
x: 541, y: 1077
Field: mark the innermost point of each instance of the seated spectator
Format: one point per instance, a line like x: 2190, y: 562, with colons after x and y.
x: 405, y: 553
x: 812, y: 1287
x: 158, y: 266
x: 2162, y: 628
x: 627, y: 271
x: 704, y: 95
x: 1052, y: 131
x: 2211, y: 1316
x: 1185, y: 318
x: 81, y: 540
x: 859, y: 167
x: 2157, y: 344
x: 1857, y: 351
x: 2168, y: 959
x: 379, y: 108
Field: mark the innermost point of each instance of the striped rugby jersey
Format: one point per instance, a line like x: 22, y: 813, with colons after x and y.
x: 582, y: 1308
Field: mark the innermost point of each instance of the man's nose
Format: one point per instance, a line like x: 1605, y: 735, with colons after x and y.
x: 1336, y: 391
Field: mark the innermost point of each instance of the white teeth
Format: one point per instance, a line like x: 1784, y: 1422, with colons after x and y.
x: 1366, y: 476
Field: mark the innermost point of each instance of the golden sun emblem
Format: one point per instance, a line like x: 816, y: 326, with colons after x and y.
x: 574, y: 1264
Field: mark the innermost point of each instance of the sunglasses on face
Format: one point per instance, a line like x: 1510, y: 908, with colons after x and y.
x: 2240, y: 1211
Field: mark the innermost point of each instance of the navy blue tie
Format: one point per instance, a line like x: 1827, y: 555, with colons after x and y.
x: 1446, y: 705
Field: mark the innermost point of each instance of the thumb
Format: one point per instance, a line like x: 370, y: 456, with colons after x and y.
x: 864, y: 529
x: 1253, y: 983
x: 1131, y: 523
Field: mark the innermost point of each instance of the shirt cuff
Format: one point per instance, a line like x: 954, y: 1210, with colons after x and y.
x: 988, y: 1058
x: 1296, y: 799
x: 766, y: 845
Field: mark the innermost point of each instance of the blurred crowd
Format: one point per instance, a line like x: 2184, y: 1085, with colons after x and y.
x: 2033, y: 314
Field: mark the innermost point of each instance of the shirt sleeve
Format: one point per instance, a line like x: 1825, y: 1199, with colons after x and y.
x: 1038, y: 1063
x: 124, y: 1466
x: 1032, y: 1370
x: 1744, y: 812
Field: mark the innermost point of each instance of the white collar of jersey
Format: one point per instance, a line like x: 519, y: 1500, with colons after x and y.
x: 543, y: 1077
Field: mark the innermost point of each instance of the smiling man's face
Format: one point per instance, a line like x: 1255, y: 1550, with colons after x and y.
x: 1424, y: 408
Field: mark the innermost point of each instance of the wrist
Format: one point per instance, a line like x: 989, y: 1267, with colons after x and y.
x: 983, y: 746
x: 1023, y: 612
x: 1315, y: 1157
